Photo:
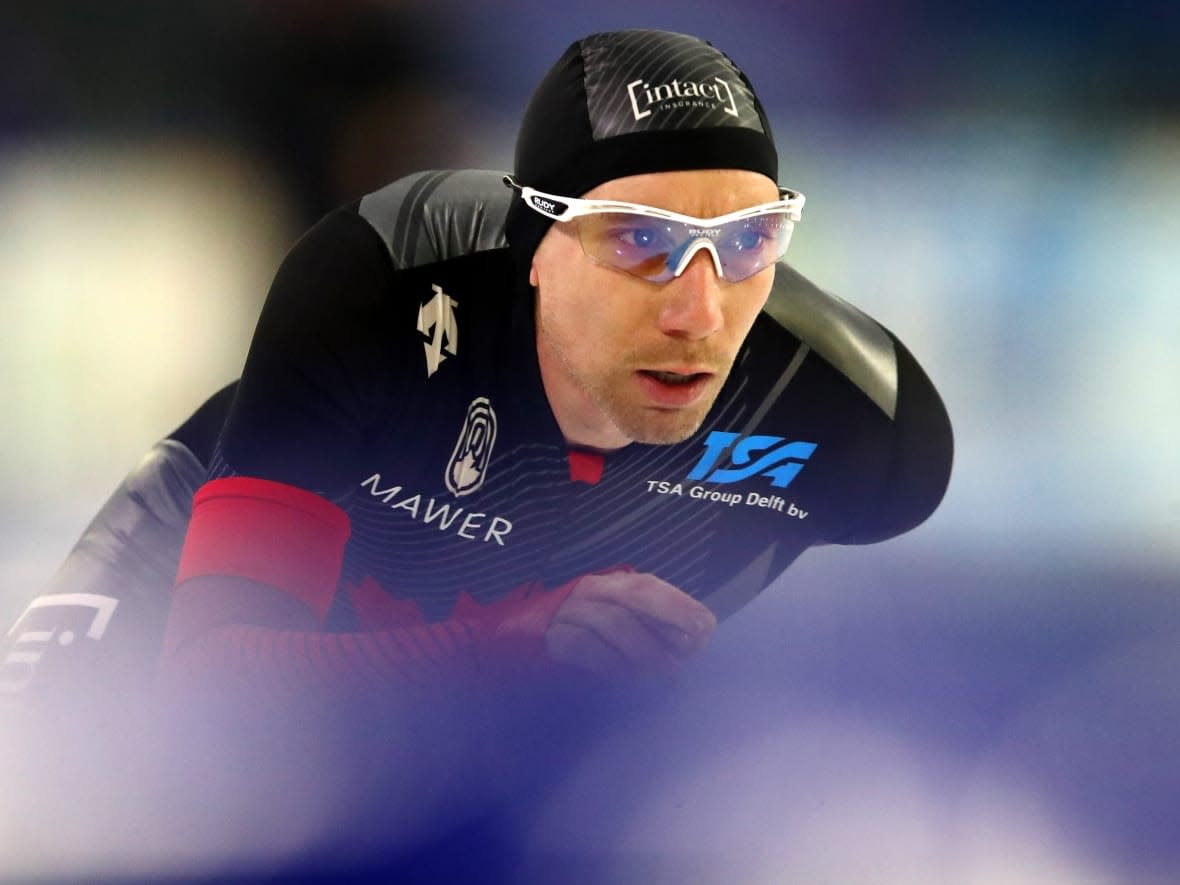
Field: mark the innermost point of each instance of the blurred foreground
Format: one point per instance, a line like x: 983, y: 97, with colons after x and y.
x: 994, y: 699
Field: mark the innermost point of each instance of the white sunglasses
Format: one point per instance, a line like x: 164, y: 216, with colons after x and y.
x: 657, y: 245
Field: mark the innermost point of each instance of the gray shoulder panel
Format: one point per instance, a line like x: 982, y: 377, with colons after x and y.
x: 134, y: 541
x: 431, y: 216
x: 847, y: 338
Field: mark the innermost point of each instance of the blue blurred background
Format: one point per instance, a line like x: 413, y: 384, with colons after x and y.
x: 994, y: 698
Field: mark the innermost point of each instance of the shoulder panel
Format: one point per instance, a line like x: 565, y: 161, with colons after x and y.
x: 855, y: 344
x: 431, y: 216
x: 95, y: 631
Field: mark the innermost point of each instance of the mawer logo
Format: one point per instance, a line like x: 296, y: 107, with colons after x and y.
x: 436, y: 320
x: 758, y: 455
x: 469, y: 461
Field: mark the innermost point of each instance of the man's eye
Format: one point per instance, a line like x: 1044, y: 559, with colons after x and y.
x: 640, y: 237
x: 755, y: 235
x: 749, y: 240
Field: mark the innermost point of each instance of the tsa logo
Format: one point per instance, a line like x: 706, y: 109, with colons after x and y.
x: 749, y: 456
x: 469, y: 461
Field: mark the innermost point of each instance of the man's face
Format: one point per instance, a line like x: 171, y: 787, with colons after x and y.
x: 626, y: 360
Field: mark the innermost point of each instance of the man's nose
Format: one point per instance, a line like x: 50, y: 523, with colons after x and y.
x: 692, y: 301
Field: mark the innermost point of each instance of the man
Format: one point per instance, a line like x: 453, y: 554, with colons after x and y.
x: 580, y: 444
x: 491, y: 435
x: 449, y: 453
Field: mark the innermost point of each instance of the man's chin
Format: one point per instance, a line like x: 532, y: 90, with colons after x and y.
x: 660, y: 427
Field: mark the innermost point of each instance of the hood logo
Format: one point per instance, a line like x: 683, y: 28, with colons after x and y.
x: 473, y: 450
x: 644, y: 96
x: 749, y: 456
x: 436, y: 320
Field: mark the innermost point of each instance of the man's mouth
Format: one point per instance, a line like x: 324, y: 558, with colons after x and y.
x: 673, y: 390
x: 675, y: 378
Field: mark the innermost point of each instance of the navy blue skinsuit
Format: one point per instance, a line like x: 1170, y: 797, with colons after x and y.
x: 394, y: 373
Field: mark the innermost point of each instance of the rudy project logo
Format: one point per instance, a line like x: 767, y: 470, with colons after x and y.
x: 645, y: 97
x: 469, y: 461
x: 436, y: 320
x: 749, y: 456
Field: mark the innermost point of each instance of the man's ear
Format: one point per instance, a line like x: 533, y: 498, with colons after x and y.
x: 533, y: 276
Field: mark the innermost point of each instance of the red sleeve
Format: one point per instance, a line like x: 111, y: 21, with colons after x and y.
x: 260, y: 565
x: 269, y: 533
